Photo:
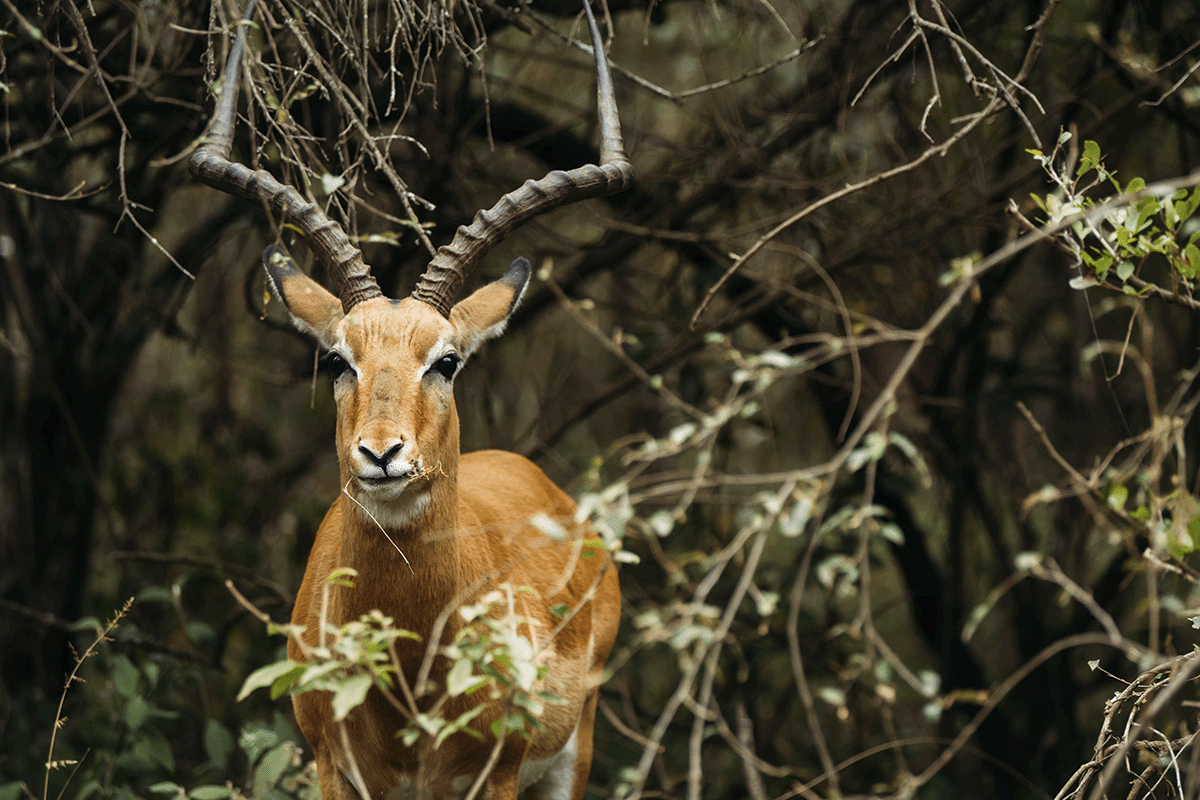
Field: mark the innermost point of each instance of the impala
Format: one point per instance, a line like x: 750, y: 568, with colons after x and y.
x: 426, y: 530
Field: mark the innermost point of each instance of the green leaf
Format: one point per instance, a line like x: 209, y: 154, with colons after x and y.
x: 459, y: 724
x: 271, y: 768
x: 343, y: 577
x: 891, y: 531
x: 462, y: 678
x: 331, y: 183
x: 1193, y: 529
x: 310, y: 673
x: 87, y: 624
x: 551, y: 527
x: 1027, y: 560
x: 218, y: 744
x: 201, y: 633
x: 154, y: 746
x: 164, y: 787
x: 210, y: 793
x: 511, y: 723
x: 1192, y: 203
x: 1090, y: 158
x: 792, y: 523
x: 151, y: 670
x: 155, y: 594
x: 930, y: 682
x: 765, y: 603
x: 1147, y: 207
x: 1181, y: 209
x: 1171, y: 214
x: 1125, y: 270
x: 350, y: 695
x: 268, y: 675
x: 873, y: 446
x: 124, y: 676
x: 136, y: 712
x: 1192, y: 254
x: 1117, y: 496
x: 662, y: 522
x: 256, y: 741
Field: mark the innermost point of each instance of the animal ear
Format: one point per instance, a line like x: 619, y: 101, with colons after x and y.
x: 312, y: 309
x: 484, y: 314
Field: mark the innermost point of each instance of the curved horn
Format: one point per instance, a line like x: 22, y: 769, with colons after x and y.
x: 351, y: 278
x: 449, y: 268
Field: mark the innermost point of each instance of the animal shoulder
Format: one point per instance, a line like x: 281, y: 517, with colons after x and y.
x: 497, y: 486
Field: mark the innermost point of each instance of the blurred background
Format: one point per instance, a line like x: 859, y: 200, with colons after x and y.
x: 910, y: 497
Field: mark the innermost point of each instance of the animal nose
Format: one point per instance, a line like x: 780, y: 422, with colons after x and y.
x: 382, y: 460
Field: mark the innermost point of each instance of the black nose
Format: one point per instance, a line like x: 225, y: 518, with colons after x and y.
x: 381, y: 460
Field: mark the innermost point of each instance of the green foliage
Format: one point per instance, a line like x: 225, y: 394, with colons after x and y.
x: 271, y: 756
x: 491, y: 660
x: 349, y: 661
x: 493, y: 656
x: 130, y: 735
x: 1116, y: 233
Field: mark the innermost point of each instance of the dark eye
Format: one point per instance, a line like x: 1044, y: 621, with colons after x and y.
x: 446, y: 366
x: 335, y: 364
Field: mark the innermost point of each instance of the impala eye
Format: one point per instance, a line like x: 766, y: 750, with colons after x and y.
x: 446, y: 366
x: 335, y: 364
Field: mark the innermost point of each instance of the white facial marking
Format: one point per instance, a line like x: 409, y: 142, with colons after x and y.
x: 396, y: 512
x: 303, y: 326
x: 469, y: 346
x: 339, y: 346
x: 441, y: 348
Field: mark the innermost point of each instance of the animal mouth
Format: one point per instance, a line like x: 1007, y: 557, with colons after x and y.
x: 386, y: 480
x: 396, y: 481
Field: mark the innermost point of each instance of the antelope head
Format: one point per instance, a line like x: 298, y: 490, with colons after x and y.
x: 394, y: 361
x: 393, y: 364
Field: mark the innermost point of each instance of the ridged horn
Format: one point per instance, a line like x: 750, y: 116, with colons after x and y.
x: 351, y: 279
x: 448, y: 270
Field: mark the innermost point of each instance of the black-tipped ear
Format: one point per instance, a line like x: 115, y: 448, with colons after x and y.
x: 516, y: 277
x: 484, y: 314
x: 312, y: 309
x: 278, y: 266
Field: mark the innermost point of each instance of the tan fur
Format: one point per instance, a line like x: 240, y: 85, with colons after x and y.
x: 463, y: 525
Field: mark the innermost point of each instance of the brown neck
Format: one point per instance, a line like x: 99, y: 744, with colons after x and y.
x: 413, y: 568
